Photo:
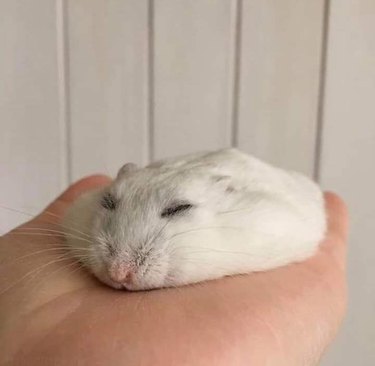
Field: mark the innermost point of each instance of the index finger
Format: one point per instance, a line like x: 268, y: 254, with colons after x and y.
x: 57, y: 208
x: 337, y: 216
x: 335, y: 242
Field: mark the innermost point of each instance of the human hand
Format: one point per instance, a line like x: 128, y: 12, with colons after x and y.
x: 52, y: 312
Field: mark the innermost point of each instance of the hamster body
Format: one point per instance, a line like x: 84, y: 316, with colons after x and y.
x: 194, y: 218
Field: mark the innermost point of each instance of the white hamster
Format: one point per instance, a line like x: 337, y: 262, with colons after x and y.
x: 194, y: 218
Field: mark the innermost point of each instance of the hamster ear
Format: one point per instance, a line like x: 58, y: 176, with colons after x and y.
x: 126, y: 170
x: 225, y: 182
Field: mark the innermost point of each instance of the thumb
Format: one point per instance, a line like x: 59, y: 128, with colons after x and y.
x: 56, y: 210
x: 49, y: 270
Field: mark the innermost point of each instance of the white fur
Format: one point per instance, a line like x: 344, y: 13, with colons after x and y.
x: 248, y: 216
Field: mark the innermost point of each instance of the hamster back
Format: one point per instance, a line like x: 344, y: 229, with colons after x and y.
x: 195, y: 218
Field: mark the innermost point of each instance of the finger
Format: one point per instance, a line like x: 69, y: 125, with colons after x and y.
x: 337, y: 213
x: 82, y: 186
x: 335, y: 242
x: 56, y: 209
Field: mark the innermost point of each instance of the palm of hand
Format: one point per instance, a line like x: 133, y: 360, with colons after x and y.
x: 281, y: 317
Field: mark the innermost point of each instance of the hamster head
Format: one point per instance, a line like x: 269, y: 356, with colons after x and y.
x: 150, y: 225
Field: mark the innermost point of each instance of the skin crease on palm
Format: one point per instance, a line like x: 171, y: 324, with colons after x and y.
x: 52, y: 312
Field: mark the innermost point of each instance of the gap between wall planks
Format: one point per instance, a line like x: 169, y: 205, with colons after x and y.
x: 62, y: 48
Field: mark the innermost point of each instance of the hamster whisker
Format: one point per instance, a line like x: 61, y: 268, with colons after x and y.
x: 176, y: 288
x: 49, y: 222
x: 155, y: 237
x: 36, y: 271
x: 70, y: 248
x: 74, y: 228
x: 70, y: 227
x: 81, y: 257
x: 80, y: 267
x: 35, y: 228
x: 63, y: 233
x: 21, y: 232
x: 211, y: 250
x: 205, y: 228
x: 78, y: 264
x: 74, y: 263
x: 60, y: 245
x: 42, y: 251
x: 17, y: 211
x: 201, y: 261
x: 236, y: 210
x: 160, y: 232
x: 49, y: 275
x: 142, y: 297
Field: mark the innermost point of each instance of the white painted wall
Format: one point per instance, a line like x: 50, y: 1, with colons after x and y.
x: 32, y: 144
x: 348, y: 166
x: 86, y: 85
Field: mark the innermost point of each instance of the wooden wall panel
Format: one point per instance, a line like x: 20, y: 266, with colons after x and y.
x: 31, y: 150
x: 108, y: 76
x: 279, y: 80
x: 193, y: 75
x: 347, y: 165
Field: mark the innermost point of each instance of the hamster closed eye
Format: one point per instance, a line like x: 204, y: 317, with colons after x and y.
x: 196, y: 218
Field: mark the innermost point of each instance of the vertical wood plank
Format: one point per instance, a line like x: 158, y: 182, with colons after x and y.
x: 193, y: 75
x: 30, y: 140
x: 279, y: 82
x: 108, y: 61
x: 347, y: 165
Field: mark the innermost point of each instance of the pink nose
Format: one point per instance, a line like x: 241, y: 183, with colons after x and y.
x: 121, y: 273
